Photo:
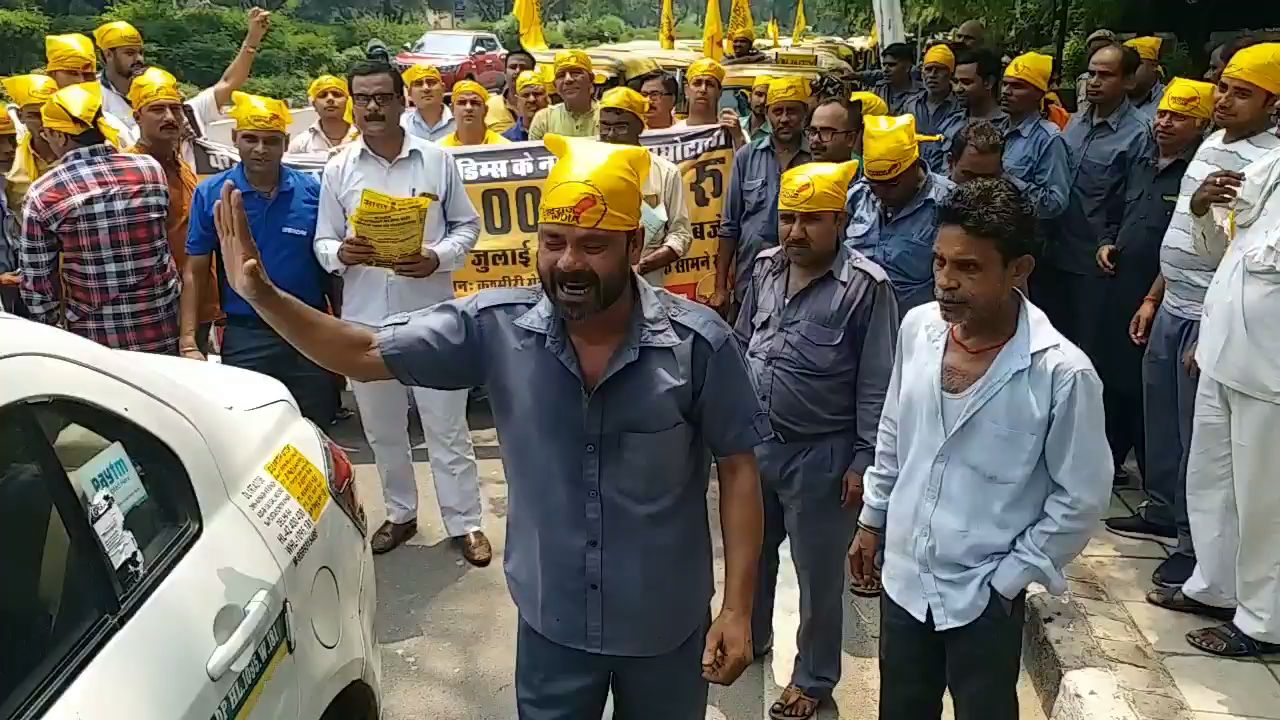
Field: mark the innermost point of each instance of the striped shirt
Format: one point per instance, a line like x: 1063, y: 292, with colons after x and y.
x: 1186, y: 272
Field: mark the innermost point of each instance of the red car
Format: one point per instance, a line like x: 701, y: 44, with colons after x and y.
x: 458, y: 54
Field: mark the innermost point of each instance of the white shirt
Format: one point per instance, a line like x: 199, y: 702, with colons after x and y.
x: 665, y: 182
x: 371, y: 294
x: 313, y: 139
x: 413, y: 124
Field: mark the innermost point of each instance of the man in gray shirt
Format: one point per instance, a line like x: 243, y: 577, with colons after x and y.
x: 611, y: 398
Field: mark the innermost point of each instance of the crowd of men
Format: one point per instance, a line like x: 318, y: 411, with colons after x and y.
x: 946, y: 312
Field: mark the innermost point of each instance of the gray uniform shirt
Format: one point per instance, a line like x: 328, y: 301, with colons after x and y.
x: 608, y: 546
x: 821, y: 361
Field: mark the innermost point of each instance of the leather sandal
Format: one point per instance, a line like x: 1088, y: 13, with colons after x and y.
x: 476, y: 548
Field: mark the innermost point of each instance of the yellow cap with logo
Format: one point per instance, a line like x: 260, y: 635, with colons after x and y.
x: 325, y: 83
x: 1257, y: 64
x: 72, y: 52
x: 1188, y: 97
x: 118, y: 34
x: 1031, y: 68
x: 255, y: 112
x: 788, y: 89
x: 567, y: 60
x: 470, y: 87
x: 593, y: 184
x: 30, y: 89
x: 624, y: 98
x: 76, y: 108
x: 816, y: 187
x: 1148, y: 47
x: 152, y: 86
x: 940, y: 54
x: 872, y: 104
x: 529, y: 79
x: 705, y: 67
x: 416, y: 73
x: 890, y: 145
x: 761, y: 81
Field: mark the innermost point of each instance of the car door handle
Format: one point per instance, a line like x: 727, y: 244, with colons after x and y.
x: 243, y: 638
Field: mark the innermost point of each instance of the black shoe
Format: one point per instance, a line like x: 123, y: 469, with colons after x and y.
x: 1174, y: 572
x: 1136, y: 526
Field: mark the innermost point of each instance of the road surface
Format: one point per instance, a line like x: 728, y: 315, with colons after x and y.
x: 447, y: 630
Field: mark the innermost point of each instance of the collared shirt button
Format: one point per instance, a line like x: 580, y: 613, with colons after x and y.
x: 593, y: 543
x: 591, y: 448
x: 592, y: 493
x: 595, y: 586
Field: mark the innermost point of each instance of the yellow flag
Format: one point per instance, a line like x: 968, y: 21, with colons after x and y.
x: 713, y: 32
x: 667, y: 26
x: 773, y: 32
x: 798, y: 33
x: 740, y: 18
x: 529, y: 19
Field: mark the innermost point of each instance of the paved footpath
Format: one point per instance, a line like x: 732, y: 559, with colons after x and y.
x: 448, y: 629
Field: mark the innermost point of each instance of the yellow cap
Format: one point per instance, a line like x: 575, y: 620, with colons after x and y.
x: 816, y: 187
x: 788, y: 89
x: 890, y: 145
x: 1148, y: 47
x: 414, y: 73
x: 743, y: 32
x: 324, y: 83
x: 572, y: 60
x: 528, y: 79
x: 470, y: 87
x: 72, y: 52
x: 117, y: 34
x: 624, y: 98
x: 72, y: 110
x: 872, y: 104
x: 940, y: 54
x: 6, y: 125
x: 1188, y: 97
x: 1258, y: 64
x: 593, y: 184
x: 1031, y: 68
x: 30, y: 89
x: 153, y: 85
x: 761, y: 81
x: 705, y: 67
x: 254, y: 112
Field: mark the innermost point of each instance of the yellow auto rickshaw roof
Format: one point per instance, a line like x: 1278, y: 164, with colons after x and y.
x: 744, y: 76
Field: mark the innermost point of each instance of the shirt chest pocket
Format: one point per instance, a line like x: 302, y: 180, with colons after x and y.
x: 1096, y: 178
x: 755, y: 195
x: 814, y: 345
x: 651, y: 467
x: 1011, y: 455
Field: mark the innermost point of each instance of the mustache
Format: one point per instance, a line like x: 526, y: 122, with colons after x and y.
x: 585, y: 277
x: 375, y: 117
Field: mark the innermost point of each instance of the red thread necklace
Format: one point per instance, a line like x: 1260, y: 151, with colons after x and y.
x: 956, y: 339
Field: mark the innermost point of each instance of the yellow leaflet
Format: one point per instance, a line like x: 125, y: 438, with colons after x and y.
x: 301, y: 478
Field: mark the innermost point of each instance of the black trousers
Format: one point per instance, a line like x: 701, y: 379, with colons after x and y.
x: 252, y: 344
x: 978, y: 663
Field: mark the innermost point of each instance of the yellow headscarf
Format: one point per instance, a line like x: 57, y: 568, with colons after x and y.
x: 572, y: 60
x: 470, y: 87
x: 415, y: 73
x: 1188, y: 97
x: 254, y: 112
x: 117, y: 34
x: 153, y: 85
x: 872, y: 104
x: 816, y: 187
x: 788, y: 89
x: 940, y: 54
x: 528, y: 79
x: 6, y: 125
x: 1031, y: 68
x: 73, y: 52
x: 325, y: 83
x: 73, y: 110
x: 30, y: 89
x: 761, y: 81
x: 624, y: 98
x: 1148, y: 47
x: 1257, y: 64
x: 594, y: 184
x: 705, y: 67
x: 890, y: 145
x: 743, y: 32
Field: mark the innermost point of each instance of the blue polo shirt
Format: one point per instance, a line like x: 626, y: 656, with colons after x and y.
x: 283, y: 226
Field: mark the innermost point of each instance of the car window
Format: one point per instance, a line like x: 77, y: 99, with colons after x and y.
x: 488, y: 44
x: 57, y: 592
x: 436, y: 44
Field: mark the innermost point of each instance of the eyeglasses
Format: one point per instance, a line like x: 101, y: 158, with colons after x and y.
x: 826, y: 135
x: 658, y: 94
x: 382, y: 99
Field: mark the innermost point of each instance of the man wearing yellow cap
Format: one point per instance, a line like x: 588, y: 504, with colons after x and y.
x: 330, y: 99
x: 661, y: 90
x: 1197, y: 301
x: 756, y: 124
x: 1147, y: 85
x: 664, y: 214
x: 388, y: 160
x: 34, y: 156
x: 94, y: 256
x: 1148, y: 412
x: 1035, y: 155
x: 504, y: 108
x: 531, y: 96
x: 429, y: 118
x: 10, y: 298
x: 575, y: 115
x: 121, y: 46
x: 608, y: 552
x: 69, y: 59
x: 937, y: 110
x: 749, y: 221
x: 893, y: 216
x: 470, y: 104
x: 744, y: 48
x: 819, y: 322
x: 703, y: 87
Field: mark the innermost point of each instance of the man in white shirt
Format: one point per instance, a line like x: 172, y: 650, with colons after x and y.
x: 331, y: 99
x: 991, y: 470
x: 429, y: 118
x: 388, y: 160
x: 664, y: 214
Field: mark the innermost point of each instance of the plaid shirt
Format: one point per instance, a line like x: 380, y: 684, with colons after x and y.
x: 94, y: 256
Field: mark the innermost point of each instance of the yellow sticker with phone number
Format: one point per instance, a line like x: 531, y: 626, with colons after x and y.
x: 304, y: 481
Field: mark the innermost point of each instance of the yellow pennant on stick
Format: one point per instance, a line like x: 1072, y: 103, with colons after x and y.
x: 667, y: 26
x: 773, y: 32
x: 713, y: 32
x: 529, y: 19
x: 797, y: 34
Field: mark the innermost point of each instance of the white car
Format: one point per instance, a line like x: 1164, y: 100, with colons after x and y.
x: 176, y: 543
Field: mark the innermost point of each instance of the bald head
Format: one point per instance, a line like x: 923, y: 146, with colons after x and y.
x: 972, y: 34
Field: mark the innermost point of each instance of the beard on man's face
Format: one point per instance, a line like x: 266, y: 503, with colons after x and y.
x: 580, y: 294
